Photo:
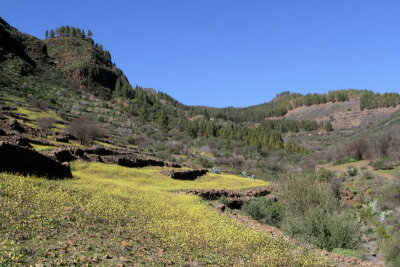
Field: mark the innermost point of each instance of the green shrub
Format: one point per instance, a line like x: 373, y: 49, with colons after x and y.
x: 381, y: 231
x: 324, y: 229
x: 344, y: 161
x: 352, y: 160
x: 382, y: 164
x: 265, y: 210
x: 351, y: 170
x: 367, y: 175
x: 366, y: 213
x: 298, y: 192
x: 324, y: 175
x: 391, y: 247
x: 389, y: 195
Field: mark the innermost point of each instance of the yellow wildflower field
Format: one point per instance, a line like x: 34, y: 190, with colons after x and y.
x: 128, y: 216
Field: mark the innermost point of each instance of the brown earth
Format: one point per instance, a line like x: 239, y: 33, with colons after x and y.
x: 342, y: 115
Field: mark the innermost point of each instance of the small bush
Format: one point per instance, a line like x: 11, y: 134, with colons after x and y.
x: 382, y: 164
x: 341, y: 161
x: 382, y: 232
x: 298, y: 192
x: 389, y: 196
x: 352, y: 160
x: 351, y: 170
x: 366, y: 213
x: 324, y: 175
x: 391, y: 247
x: 265, y: 210
x: 327, y: 230
x: 367, y: 175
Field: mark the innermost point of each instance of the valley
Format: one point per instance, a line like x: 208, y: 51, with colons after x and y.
x: 95, y: 171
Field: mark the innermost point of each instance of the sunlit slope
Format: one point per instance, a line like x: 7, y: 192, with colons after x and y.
x: 130, y: 215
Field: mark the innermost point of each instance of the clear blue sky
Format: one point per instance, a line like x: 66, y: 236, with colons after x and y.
x: 230, y: 52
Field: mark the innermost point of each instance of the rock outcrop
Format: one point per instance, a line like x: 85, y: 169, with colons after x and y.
x: 184, y: 174
x: 18, y: 159
x: 214, y: 194
x: 138, y: 163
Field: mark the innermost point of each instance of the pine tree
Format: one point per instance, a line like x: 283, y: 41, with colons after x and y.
x: 51, y: 33
x: 72, y: 31
x: 46, y: 35
x: 89, y: 34
x: 328, y: 126
x: 143, y: 112
x: 163, y: 120
x: 67, y: 31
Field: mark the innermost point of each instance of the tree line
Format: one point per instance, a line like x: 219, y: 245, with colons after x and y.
x: 371, y: 100
x: 286, y: 101
x: 68, y: 31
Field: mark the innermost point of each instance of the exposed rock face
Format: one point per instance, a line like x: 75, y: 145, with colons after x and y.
x: 214, y: 194
x: 102, y: 151
x: 138, y: 163
x: 26, y: 161
x: 13, y: 124
x: 16, y: 140
x: 235, y: 199
x: 66, y: 154
x: 81, y: 61
x: 185, y: 174
x: 64, y: 138
x: 62, y: 154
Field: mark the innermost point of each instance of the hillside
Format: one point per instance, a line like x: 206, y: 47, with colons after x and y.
x: 342, y: 115
x: 280, y: 187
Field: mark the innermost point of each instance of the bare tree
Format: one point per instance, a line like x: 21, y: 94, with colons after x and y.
x: 359, y: 148
x: 86, y: 132
x: 46, y: 124
x: 383, y: 144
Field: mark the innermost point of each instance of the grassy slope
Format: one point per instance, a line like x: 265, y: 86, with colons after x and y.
x: 111, y: 215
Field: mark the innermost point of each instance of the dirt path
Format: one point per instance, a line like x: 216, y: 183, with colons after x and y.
x: 337, y: 259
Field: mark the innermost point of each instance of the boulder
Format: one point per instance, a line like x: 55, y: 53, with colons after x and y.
x: 23, y: 160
